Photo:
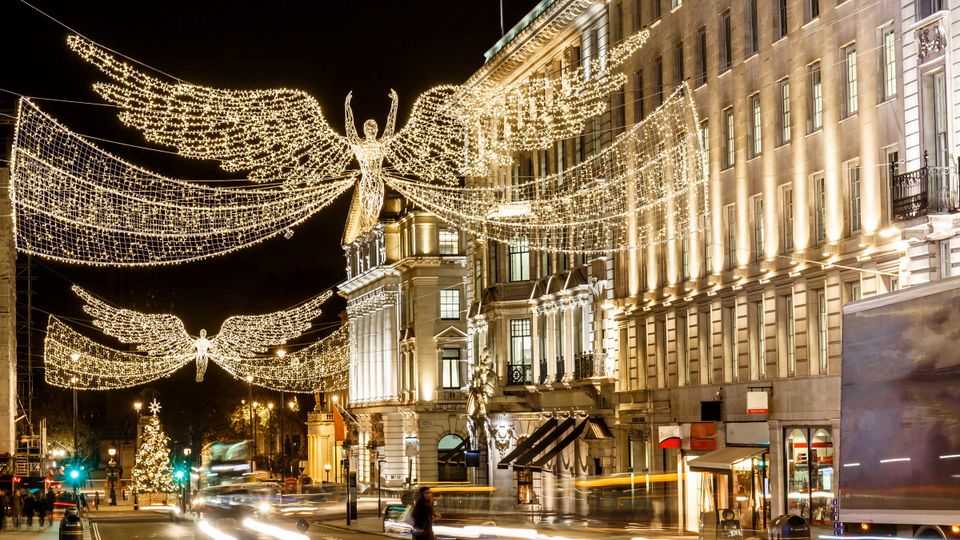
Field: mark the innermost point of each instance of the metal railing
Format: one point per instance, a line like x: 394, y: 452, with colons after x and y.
x: 589, y: 364
x: 543, y: 372
x: 923, y: 191
x: 519, y: 374
x: 560, y: 369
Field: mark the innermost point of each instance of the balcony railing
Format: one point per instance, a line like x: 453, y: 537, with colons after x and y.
x: 589, y: 364
x: 924, y: 191
x: 543, y: 372
x: 558, y: 373
x: 519, y: 374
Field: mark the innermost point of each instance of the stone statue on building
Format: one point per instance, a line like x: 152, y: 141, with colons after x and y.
x: 482, y: 385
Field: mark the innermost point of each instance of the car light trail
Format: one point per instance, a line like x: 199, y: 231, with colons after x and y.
x: 272, y: 531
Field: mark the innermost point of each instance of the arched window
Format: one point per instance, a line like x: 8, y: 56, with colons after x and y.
x: 810, y: 485
x: 451, y: 464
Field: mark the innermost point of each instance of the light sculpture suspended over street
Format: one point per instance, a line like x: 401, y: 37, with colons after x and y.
x: 74, y: 361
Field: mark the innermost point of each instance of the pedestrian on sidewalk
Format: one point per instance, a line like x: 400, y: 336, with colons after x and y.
x: 96, y: 500
x: 51, y: 503
x: 41, y: 504
x: 423, y: 515
x: 28, y: 508
x: 16, y: 507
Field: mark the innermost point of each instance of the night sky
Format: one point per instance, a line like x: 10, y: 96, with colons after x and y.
x: 324, y: 47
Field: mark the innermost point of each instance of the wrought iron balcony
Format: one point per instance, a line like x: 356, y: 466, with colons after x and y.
x: 558, y: 374
x: 519, y: 374
x: 924, y: 191
x: 589, y: 364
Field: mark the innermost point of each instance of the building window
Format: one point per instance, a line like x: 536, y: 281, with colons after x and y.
x: 941, y: 154
x: 786, y: 200
x: 656, y: 10
x: 759, y: 341
x: 518, y: 256
x: 856, y: 212
x: 450, y: 304
x: 701, y: 56
x: 820, y: 201
x: 759, y: 228
x: 705, y: 338
x: 731, y: 226
x: 705, y: 146
x: 756, y: 122
x: 729, y: 155
x: 852, y: 291
x: 560, y: 161
x: 638, y: 97
x: 658, y: 81
x: 811, y: 10
x: 815, y: 121
x: 783, y: 90
x: 450, y: 367
x: 678, y: 63
x: 493, y: 272
x: 674, y: 4
x: 888, y: 62
x: 810, y: 474
x: 477, y: 276
x: 684, y: 258
x: 521, y: 353
x: 946, y: 261
x: 619, y: 114
x: 683, y: 353
x: 449, y: 242
x: 726, y: 42
x: 707, y: 245
x: 452, y: 467
x: 780, y: 19
x: 849, y: 55
x: 926, y: 8
x: 730, y: 362
x: 637, y: 20
x: 753, y: 34
x: 821, y: 322
x: 788, y: 334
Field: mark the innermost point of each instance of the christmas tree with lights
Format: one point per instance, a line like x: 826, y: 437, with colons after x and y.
x: 152, y: 472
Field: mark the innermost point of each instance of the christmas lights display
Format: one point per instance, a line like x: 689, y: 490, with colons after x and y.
x: 651, y: 171
x: 75, y: 202
x: 281, y: 135
x: 163, y: 335
x: 152, y: 471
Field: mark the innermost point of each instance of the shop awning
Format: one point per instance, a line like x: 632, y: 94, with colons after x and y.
x: 527, y: 444
x: 723, y: 460
x: 597, y: 429
x: 565, y: 442
x: 545, y: 441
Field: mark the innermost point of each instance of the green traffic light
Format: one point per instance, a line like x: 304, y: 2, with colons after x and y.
x: 74, y: 474
x: 178, y: 475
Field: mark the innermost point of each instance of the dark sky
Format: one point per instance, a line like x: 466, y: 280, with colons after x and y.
x: 324, y: 47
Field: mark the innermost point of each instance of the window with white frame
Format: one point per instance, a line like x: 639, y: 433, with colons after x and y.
x: 821, y: 321
x: 820, y: 206
x: 729, y: 150
x: 756, y: 137
x: 518, y: 257
x: 786, y: 202
x: 705, y: 145
x: 783, y: 91
x: 705, y: 345
x: 888, y: 62
x: 730, y: 216
x: 850, y: 93
x: 786, y: 303
x: 759, y: 341
x: 683, y: 352
x: 815, y: 120
x: 811, y: 10
x: 731, y: 363
x: 450, y: 304
x: 759, y: 228
x: 678, y: 63
x: 701, y: 78
x: 925, y: 8
x: 521, y: 352
x: 658, y: 81
x: 856, y: 199
x: 450, y: 367
x: 449, y: 242
x: 684, y: 257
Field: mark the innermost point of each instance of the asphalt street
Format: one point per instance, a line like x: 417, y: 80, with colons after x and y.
x: 136, y: 527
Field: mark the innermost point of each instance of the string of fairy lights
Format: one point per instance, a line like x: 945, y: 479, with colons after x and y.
x: 75, y: 361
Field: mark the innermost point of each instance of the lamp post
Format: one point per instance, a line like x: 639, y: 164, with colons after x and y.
x: 326, y: 469
x: 137, y: 406
x: 250, y: 402
x: 283, y: 451
x: 185, y: 498
x: 253, y: 427
x: 270, y: 438
x: 74, y: 471
x: 112, y: 476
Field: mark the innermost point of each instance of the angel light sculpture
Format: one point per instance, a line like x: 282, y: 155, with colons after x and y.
x: 241, y: 337
x: 453, y: 131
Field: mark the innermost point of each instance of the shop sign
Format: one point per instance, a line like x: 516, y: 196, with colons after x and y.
x: 669, y: 436
x: 703, y: 436
x: 757, y: 402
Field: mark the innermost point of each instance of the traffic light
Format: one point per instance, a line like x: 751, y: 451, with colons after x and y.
x: 179, y: 475
x: 74, y: 475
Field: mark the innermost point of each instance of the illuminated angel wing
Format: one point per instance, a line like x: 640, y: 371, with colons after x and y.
x: 157, y: 334
x: 244, y: 336
x: 274, y: 134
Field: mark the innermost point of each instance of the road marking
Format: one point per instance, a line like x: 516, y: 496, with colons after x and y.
x: 95, y: 531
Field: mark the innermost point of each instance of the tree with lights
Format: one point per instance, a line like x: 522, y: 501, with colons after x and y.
x: 152, y: 472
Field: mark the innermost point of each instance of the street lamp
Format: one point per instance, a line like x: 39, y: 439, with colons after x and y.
x: 255, y: 415
x: 137, y: 406
x: 250, y: 401
x: 326, y: 469
x: 73, y: 471
x: 112, y: 476
x: 270, y: 436
x: 185, y: 498
x: 283, y: 451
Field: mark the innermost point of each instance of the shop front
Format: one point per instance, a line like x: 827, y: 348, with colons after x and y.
x: 733, y: 484
x: 809, y: 473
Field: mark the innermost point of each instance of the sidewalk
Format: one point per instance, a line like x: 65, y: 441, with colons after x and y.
x: 42, y: 533
x: 364, y: 524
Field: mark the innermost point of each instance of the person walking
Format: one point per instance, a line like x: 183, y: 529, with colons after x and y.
x: 28, y: 508
x: 51, y: 501
x: 16, y: 507
x: 96, y: 500
x: 423, y: 515
x: 41, y: 505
